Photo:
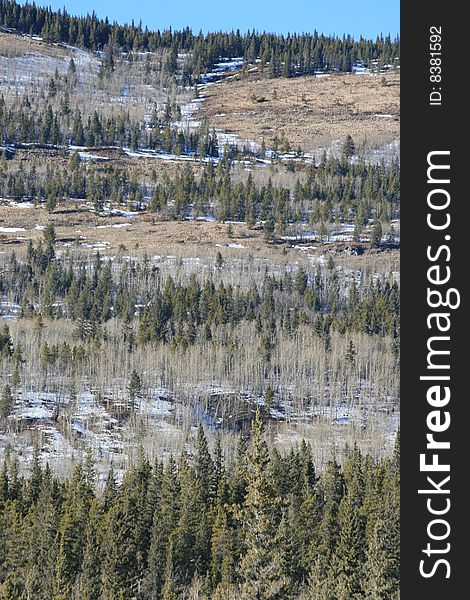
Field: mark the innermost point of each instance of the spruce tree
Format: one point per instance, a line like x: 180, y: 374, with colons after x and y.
x: 348, y: 149
x: 134, y: 389
x: 376, y: 235
x: 89, y: 579
x: 260, y: 566
x: 120, y: 566
x: 7, y: 402
x: 223, y: 545
x: 382, y: 566
x: 164, y: 524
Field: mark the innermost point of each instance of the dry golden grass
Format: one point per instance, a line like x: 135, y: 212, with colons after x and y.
x: 142, y: 233
x: 14, y: 46
x: 81, y: 229
x: 308, y: 111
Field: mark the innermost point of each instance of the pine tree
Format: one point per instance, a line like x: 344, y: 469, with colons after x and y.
x: 332, y: 492
x: 72, y: 69
x: 204, y: 469
x: 42, y: 535
x: 349, y: 555
x: 348, y: 149
x: 189, y: 544
x: 89, y: 580
x: 348, y: 558
x: 134, y: 389
x: 351, y: 353
x: 223, y: 545
x: 35, y: 480
x: 72, y: 535
x: 51, y: 203
x: 7, y: 402
x: 120, y: 566
x: 6, y: 343
x: 110, y: 490
x: 376, y: 235
x: 49, y: 237
x: 260, y: 565
x: 78, y: 136
x: 164, y: 524
x: 268, y: 397
x: 14, y: 552
x: 382, y: 566
x: 238, y: 482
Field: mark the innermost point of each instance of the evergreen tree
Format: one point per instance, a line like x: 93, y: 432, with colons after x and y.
x: 164, y: 524
x: 7, y: 402
x: 89, y: 579
x: 382, y: 566
x: 376, y: 235
x: 51, y: 203
x: 6, y: 343
x: 120, y: 567
x: 219, y: 261
x: 351, y: 353
x: 134, y: 389
x: 349, y: 555
x: 260, y: 565
x: 348, y: 149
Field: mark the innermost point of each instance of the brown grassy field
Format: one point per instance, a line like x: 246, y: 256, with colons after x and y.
x: 13, y: 46
x: 307, y: 111
x: 79, y: 229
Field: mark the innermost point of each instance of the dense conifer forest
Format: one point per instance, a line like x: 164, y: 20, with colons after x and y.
x: 296, y: 54
x: 262, y: 525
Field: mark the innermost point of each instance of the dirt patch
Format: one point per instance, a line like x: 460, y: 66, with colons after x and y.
x: 308, y: 111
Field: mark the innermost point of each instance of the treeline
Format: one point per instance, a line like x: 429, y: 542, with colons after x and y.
x: 23, y: 122
x: 287, y: 55
x: 335, y: 190
x: 177, y: 312
x: 260, y: 525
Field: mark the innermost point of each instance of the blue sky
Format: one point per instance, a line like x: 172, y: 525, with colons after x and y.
x: 360, y: 17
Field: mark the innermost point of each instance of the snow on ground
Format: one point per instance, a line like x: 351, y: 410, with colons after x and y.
x: 123, y: 213
x: 147, y: 153
x: 9, y: 309
x: 66, y: 426
x: 88, y: 156
x: 11, y: 229
x: 21, y: 204
x: 157, y: 406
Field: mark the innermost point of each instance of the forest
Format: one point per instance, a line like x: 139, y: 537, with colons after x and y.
x: 200, y: 312
x: 76, y: 290
x: 262, y: 525
x: 309, y: 339
x: 333, y: 191
x: 296, y: 54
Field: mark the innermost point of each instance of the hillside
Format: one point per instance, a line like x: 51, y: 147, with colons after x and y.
x: 246, y: 179
x: 199, y: 312
x: 122, y: 159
